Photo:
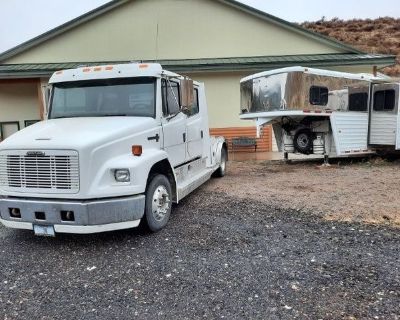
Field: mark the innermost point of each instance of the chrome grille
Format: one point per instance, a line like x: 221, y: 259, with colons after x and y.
x: 49, y: 171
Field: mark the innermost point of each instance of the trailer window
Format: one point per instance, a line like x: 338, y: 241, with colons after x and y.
x: 358, y: 101
x: 384, y: 100
x: 171, y: 97
x: 319, y: 96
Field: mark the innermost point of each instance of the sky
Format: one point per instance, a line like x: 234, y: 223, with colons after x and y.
x: 21, y: 20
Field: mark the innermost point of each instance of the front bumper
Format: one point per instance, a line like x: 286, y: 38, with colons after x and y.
x: 89, y: 216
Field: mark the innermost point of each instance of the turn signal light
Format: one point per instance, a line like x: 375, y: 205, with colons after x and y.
x: 137, y: 151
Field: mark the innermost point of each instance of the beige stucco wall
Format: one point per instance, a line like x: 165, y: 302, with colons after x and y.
x: 19, y: 102
x: 172, y: 29
x: 223, y: 98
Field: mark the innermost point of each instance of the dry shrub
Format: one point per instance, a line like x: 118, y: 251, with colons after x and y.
x: 381, y: 35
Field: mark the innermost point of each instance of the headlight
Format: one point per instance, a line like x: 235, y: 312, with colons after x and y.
x: 122, y: 175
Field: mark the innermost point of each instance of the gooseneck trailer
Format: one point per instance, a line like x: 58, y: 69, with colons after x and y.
x: 324, y: 112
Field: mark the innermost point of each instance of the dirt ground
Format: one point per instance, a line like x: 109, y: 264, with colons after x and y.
x: 364, y: 191
x: 230, y: 251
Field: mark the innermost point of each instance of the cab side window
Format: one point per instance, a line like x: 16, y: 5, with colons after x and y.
x: 170, y: 97
x: 195, y: 108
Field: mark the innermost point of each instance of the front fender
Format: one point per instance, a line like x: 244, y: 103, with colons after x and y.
x: 104, y: 184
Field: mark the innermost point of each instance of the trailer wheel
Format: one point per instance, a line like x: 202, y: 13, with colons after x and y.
x: 158, y: 203
x: 222, y: 167
x: 303, y: 141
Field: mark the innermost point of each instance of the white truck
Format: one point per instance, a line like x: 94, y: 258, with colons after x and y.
x: 324, y: 112
x: 119, y: 145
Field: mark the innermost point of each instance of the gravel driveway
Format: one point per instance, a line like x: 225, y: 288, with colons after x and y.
x: 221, y: 256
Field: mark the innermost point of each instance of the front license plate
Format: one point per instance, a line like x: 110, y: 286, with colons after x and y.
x: 46, y: 231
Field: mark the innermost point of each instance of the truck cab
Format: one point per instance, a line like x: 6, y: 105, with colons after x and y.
x: 120, y: 144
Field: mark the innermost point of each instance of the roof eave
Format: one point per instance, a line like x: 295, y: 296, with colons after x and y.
x: 268, y: 66
x: 216, y: 66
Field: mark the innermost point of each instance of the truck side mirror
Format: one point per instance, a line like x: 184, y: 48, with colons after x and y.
x: 47, y: 97
x: 186, y: 92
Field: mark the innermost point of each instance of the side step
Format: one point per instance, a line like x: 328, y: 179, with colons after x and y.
x: 191, y: 176
x: 192, y: 183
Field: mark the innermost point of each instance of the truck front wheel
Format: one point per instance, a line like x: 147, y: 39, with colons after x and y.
x: 158, y: 203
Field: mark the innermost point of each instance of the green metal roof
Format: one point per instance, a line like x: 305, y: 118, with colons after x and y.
x: 212, y: 65
x: 116, y: 3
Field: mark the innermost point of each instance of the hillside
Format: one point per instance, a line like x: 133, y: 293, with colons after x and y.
x: 375, y: 36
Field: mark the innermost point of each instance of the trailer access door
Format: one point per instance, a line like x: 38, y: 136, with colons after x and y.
x: 384, y: 111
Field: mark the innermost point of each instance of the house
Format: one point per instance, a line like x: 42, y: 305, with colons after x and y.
x: 214, y: 41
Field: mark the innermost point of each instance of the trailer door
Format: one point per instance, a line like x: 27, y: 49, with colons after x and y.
x: 384, y: 114
x: 398, y: 117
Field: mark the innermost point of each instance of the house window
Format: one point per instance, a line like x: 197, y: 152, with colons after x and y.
x: 8, y: 128
x: 30, y: 122
x: 384, y: 100
x: 171, y: 97
x: 358, y: 101
x: 319, y: 96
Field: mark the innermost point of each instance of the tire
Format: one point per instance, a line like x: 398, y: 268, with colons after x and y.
x: 158, y: 203
x: 303, y: 141
x: 221, y: 171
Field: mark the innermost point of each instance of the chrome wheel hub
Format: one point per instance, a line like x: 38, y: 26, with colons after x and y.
x: 160, y: 203
x: 223, y: 163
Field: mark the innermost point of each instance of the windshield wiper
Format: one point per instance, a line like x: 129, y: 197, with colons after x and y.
x: 62, y: 117
x: 91, y: 115
x: 112, y: 115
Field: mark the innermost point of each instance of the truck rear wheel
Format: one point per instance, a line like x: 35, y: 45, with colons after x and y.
x: 158, y: 203
x: 222, y: 167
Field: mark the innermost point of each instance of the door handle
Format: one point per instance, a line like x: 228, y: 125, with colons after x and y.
x: 156, y: 137
x: 201, y: 134
x: 184, y: 137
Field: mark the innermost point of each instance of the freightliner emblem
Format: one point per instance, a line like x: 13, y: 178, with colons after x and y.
x: 35, y: 154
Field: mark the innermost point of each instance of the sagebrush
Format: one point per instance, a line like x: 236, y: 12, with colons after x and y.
x: 380, y: 35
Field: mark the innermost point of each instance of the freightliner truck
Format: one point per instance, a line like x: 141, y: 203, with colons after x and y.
x: 119, y: 145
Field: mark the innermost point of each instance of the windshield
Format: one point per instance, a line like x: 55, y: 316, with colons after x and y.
x: 100, y: 98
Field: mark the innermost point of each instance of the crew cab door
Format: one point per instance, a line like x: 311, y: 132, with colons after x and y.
x: 195, y: 130
x: 384, y: 114
x: 173, y: 123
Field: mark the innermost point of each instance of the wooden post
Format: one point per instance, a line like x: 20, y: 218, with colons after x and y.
x: 375, y: 71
